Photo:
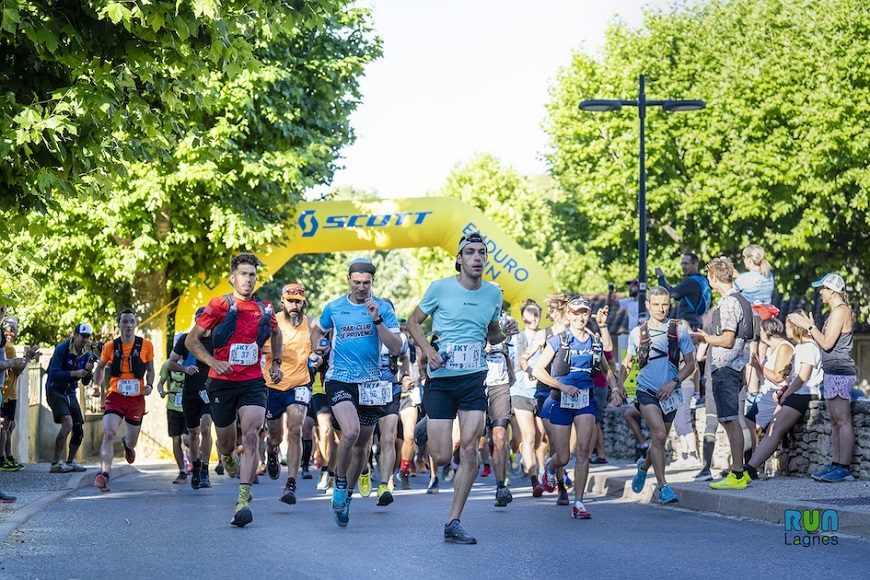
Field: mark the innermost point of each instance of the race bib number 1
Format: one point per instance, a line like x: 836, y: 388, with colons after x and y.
x: 462, y: 357
x: 375, y: 394
x: 244, y: 354
x: 129, y: 387
x: 578, y: 401
x: 673, y: 402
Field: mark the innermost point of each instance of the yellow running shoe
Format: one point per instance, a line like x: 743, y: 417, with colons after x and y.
x: 365, y: 484
x: 242, y: 515
x: 231, y: 463
x: 731, y: 482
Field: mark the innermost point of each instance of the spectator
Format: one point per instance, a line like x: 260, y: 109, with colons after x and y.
x: 692, y: 295
x: 774, y: 370
x: 10, y: 395
x: 756, y: 285
x: 630, y: 304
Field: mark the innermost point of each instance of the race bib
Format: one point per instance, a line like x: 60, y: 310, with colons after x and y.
x: 578, y: 401
x: 375, y: 394
x: 462, y: 357
x: 203, y: 394
x: 129, y: 387
x: 302, y: 395
x: 673, y: 402
x: 244, y: 354
x: 177, y: 402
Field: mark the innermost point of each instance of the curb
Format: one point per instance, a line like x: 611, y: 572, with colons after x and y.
x: 727, y: 503
x: 77, y: 481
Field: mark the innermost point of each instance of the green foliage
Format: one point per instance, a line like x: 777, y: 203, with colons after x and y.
x: 778, y: 158
x: 152, y: 140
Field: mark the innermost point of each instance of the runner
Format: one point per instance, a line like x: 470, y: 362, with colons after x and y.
x: 131, y: 368
x: 408, y: 404
x: 195, y: 404
x: 292, y: 394
x: 729, y: 354
x: 499, y: 378
x: 530, y: 342
x: 359, y: 323
x: 659, y: 344
x: 240, y: 325
x: 465, y: 316
x: 71, y: 362
x: 174, y: 414
x: 322, y: 414
x: 576, y: 355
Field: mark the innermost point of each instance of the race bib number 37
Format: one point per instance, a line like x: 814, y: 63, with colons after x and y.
x: 375, y: 394
x: 462, y: 357
x: 244, y: 354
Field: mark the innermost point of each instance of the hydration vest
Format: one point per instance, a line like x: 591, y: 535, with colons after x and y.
x: 645, y: 346
x: 224, y: 330
x: 749, y: 325
x: 561, y: 364
x: 137, y: 367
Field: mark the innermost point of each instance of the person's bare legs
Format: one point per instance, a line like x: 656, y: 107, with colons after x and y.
x: 842, y: 432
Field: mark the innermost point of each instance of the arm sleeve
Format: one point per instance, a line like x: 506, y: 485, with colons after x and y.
x: 554, y: 342
x: 179, y: 347
x: 633, y: 338
x: 685, y: 341
x: 664, y: 283
x: 164, y: 370
x: 56, y: 372
x: 430, y: 300
x: 389, y: 316
x: 215, y: 312
x: 325, y: 320
x: 684, y: 288
x: 730, y: 312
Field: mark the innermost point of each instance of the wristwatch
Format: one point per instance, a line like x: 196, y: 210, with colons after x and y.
x: 811, y: 328
x: 380, y: 320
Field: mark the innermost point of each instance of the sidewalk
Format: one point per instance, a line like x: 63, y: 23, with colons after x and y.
x: 764, y: 499
x: 36, y: 489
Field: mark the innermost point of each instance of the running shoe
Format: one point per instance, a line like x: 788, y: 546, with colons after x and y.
x: 384, y: 495
x: 596, y: 460
x: 537, y: 490
x: 578, y: 511
x: 230, y: 463
x: 568, y: 483
x: 288, y: 495
x: 433, y: 486
x: 220, y: 468
x: 182, y: 477
x: 640, y: 451
x: 451, y: 472
x: 196, y: 474
x: 242, y: 515
x: 516, y: 466
x: 262, y: 469
x: 703, y: 475
x: 823, y: 472
x: 487, y: 470
x: 102, y: 482
x: 324, y: 480
x: 667, y: 495
x: 204, y: 480
x: 13, y: 463
x: 341, y: 507
x: 731, y: 482
x: 59, y: 467
x: 563, y: 498
x: 306, y: 474
x: 548, y: 481
x: 639, y: 479
x: 129, y: 454
x: 454, y: 533
x: 330, y: 484
x: 76, y: 466
x: 7, y: 498
x: 503, y: 497
x: 405, y: 481
x: 837, y: 475
x: 272, y: 466
x: 365, y: 484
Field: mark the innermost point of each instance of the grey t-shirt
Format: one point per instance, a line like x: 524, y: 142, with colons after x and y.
x: 730, y: 315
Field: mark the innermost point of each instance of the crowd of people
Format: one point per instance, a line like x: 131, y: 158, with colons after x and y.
x: 373, y: 399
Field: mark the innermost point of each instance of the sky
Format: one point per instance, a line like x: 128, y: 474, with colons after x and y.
x: 463, y: 77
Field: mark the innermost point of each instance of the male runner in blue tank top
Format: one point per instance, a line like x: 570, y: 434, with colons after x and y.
x: 465, y: 312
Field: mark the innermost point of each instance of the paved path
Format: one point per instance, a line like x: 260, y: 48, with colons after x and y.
x: 147, y: 527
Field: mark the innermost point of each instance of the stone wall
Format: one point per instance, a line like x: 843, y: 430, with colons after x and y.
x: 807, y: 450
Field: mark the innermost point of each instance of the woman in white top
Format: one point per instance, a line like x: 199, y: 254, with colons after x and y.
x: 803, y: 386
x: 775, y: 371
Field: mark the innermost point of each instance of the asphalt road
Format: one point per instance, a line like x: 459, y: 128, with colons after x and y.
x: 148, y: 528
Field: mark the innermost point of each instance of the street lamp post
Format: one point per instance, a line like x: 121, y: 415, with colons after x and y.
x: 641, y: 103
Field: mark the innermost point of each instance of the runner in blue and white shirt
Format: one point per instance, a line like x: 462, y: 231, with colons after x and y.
x: 358, y: 324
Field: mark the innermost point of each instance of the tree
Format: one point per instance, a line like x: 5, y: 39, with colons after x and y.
x: 778, y: 157
x: 220, y: 116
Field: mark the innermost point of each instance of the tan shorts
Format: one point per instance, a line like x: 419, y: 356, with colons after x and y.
x: 498, y: 403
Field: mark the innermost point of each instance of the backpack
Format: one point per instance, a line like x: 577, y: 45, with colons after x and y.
x: 645, y: 346
x: 706, y: 295
x: 137, y: 367
x: 225, y: 329
x: 561, y: 364
x: 749, y: 324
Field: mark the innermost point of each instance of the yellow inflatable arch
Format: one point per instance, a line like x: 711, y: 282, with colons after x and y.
x: 339, y: 226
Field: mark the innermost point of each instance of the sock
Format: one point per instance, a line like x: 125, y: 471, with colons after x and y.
x: 747, y: 455
x: 324, y: 470
x: 307, y: 446
x: 383, y: 483
x: 738, y: 474
x: 535, y: 481
x: 404, y: 466
x: 291, y: 481
x: 204, y: 468
x: 450, y: 523
x: 709, y: 445
x: 244, y: 491
x: 340, y: 482
x: 561, y: 485
x: 753, y: 473
x: 332, y: 474
x: 499, y: 483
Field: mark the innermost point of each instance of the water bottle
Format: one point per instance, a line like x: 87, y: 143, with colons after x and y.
x: 323, y: 343
x: 314, y: 361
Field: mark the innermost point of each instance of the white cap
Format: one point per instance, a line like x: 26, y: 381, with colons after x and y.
x: 84, y: 328
x: 831, y: 281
